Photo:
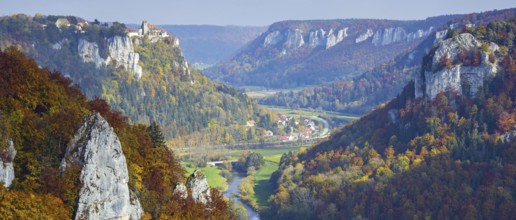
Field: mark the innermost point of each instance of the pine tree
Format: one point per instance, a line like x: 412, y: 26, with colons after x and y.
x: 156, y: 135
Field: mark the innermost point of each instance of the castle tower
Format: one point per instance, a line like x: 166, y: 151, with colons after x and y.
x: 145, y: 28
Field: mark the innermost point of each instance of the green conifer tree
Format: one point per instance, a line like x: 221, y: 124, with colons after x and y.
x: 158, y: 140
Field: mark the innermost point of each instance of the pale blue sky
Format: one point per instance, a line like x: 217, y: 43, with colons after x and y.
x: 247, y: 12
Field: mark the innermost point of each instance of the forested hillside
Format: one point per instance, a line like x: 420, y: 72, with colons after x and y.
x: 362, y: 93
x: 159, y: 86
x: 448, y: 156
x: 40, y: 111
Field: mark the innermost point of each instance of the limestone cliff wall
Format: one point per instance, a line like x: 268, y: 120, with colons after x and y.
x: 439, y: 78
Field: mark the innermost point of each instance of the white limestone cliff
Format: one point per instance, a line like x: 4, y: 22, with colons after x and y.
x: 317, y: 38
x: 89, y: 52
x: 273, y: 38
x: 435, y: 80
x: 333, y: 39
x: 364, y: 36
x: 198, y: 187
x: 419, y: 34
x: 294, y: 39
x: 120, y: 50
x: 388, y: 36
x: 104, y: 176
x: 7, y: 156
x: 181, y: 191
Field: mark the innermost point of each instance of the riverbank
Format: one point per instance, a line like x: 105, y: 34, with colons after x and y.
x: 232, y: 193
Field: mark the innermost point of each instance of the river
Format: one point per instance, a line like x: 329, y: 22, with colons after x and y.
x: 233, y: 190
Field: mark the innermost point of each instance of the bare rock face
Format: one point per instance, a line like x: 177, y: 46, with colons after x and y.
x: 440, y: 79
x: 388, y: 36
x: 334, y: 38
x: 104, y: 176
x: 7, y: 156
x: 273, y: 38
x: 181, y: 191
x: 291, y: 39
x: 294, y: 39
x: 199, y: 188
x: 89, y: 52
x: 120, y: 50
x: 364, y: 36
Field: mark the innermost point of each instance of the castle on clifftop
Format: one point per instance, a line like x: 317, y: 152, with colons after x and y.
x: 153, y: 32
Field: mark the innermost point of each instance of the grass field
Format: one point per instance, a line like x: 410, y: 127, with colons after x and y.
x: 272, y: 152
x: 262, y: 187
x: 212, y: 174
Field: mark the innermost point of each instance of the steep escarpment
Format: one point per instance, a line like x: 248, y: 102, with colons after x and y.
x: 442, y: 156
x: 97, y: 151
x: 363, y: 93
x: 295, y: 53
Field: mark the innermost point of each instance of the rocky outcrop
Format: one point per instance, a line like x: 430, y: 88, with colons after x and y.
x: 89, y: 52
x: 7, y: 156
x: 120, y: 50
x: 181, y: 191
x: 392, y: 35
x: 332, y: 39
x: 389, y: 35
x: 364, y: 36
x: 440, y: 78
x: 273, y: 38
x: 439, y: 35
x: 104, y: 176
x: 294, y: 39
x: 198, y: 187
x: 419, y: 34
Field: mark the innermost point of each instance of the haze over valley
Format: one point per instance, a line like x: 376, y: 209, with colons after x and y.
x: 258, y: 111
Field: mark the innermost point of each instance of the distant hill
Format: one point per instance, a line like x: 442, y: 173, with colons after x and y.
x: 144, y: 76
x: 299, y: 53
x: 444, y: 148
x: 206, y: 45
x: 362, y: 93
